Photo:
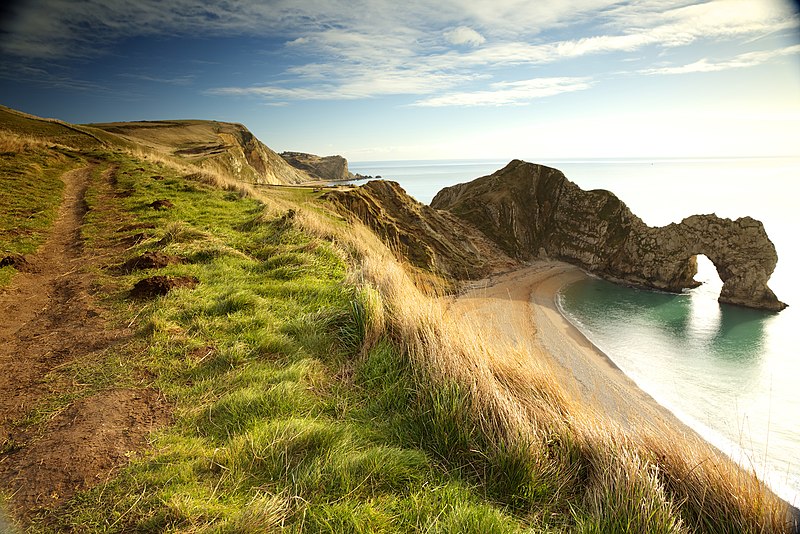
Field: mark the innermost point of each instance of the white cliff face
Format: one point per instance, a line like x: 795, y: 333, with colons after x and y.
x: 530, y: 210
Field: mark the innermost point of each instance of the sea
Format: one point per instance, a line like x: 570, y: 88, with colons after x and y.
x: 730, y: 373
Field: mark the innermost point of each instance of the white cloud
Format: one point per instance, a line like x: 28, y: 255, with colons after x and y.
x: 298, y: 42
x: 749, y: 59
x: 684, y: 24
x: 348, y: 49
x: 509, y: 93
x: 65, y: 28
x: 354, y: 83
x: 464, y: 35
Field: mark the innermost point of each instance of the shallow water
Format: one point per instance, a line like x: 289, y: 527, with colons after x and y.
x: 730, y: 373
x: 723, y: 370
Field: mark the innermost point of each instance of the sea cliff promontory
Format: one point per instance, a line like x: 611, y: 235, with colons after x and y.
x: 534, y: 211
x: 329, y: 168
x: 223, y: 147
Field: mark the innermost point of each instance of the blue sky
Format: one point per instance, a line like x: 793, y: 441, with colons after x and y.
x: 381, y: 79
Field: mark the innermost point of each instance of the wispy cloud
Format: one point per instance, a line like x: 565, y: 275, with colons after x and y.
x: 749, y: 59
x: 450, y: 52
x: 362, y: 83
x: 509, y: 93
x: 174, y: 80
x: 50, y: 79
x: 683, y: 23
x: 65, y: 28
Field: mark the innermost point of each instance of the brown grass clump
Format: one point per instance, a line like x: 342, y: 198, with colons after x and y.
x: 715, y: 494
x: 14, y: 142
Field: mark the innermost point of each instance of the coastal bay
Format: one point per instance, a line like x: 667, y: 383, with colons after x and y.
x: 752, y: 419
x: 521, y: 309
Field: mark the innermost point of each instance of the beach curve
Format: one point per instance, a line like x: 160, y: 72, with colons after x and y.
x: 520, y: 308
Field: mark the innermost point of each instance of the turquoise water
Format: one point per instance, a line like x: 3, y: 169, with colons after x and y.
x: 732, y: 374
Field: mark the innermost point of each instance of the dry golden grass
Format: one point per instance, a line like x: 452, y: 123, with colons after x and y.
x: 14, y: 142
x: 655, y: 480
x: 203, y: 174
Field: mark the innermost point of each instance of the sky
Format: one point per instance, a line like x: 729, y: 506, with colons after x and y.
x: 446, y: 79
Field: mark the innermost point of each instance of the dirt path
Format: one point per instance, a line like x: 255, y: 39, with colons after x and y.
x: 49, y: 320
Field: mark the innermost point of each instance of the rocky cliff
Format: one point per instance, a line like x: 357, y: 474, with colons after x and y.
x: 534, y: 211
x: 227, y: 147
x: 432, y: 240
x: 328, y: 168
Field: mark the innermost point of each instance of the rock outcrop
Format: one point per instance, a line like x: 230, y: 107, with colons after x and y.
x: 435, y: 241
x: 328, y: 168
x: 534, y: 211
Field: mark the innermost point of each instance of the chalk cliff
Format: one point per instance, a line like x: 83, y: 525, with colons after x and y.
x: 329, y: 168
x: 535, y: 211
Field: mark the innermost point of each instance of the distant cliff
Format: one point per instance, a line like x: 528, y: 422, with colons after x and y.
x: 534, y: 211
x: 227, y: 147
x: 328, y: 168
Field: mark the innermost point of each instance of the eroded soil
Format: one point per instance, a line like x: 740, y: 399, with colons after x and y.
x: 48, y: 321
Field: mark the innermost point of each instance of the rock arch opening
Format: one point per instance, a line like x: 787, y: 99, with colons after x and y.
x: 707, y: 276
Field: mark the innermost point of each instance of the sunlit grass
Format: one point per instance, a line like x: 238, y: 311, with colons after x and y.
x: 315, y: 388
x: 264, y: 363
x: 30, y: 192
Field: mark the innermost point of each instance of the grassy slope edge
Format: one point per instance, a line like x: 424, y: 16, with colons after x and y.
x: 316, y: 389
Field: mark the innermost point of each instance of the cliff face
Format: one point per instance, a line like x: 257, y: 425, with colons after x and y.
x: 534, y: 211
x: 223, y: 146
x: 433, y: 240
x: 329, y: 168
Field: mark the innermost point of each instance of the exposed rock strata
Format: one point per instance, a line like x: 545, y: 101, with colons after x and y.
x: 534, y: 211
x: 330, y: 168
x: 427, y: 238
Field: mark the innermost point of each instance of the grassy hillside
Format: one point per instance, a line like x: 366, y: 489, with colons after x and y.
x: 314, y: 388
x: 216, y: 146
x: 15, y: 123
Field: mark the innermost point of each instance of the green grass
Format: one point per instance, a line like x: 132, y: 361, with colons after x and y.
x: 30, y: 193
x: 54, y: 131
x: 288, y: 412
x: 279, y: 420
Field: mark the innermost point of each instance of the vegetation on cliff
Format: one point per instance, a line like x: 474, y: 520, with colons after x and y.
x: 222, y: 147
x: 314, y: 387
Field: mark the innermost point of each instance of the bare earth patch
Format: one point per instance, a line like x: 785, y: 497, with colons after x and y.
x: 82, y: 446
x: 49, y: 320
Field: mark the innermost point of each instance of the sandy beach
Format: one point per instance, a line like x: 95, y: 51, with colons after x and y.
x: 519, y: 307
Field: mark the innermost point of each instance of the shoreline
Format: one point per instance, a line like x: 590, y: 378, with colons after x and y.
x: 721, y: 443
x: 525, y: 299
x: 588, y: 372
